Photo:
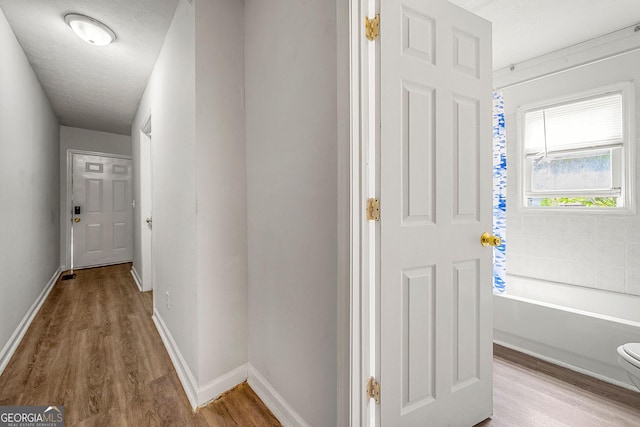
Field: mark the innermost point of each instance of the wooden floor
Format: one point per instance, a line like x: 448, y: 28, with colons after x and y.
x: 94, y: 349
x: 529, y: 392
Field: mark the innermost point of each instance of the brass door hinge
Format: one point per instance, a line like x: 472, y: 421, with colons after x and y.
x: 373, y: 209
x: 373, y: 390
x: 372, y: 27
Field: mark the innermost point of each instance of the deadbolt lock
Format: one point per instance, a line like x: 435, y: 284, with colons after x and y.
x: 76, y: 219
x: 488, y: 240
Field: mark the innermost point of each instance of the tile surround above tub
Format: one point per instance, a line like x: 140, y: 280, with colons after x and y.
x: 633, y: 281
x: 612, y: 228
x: 534, y: 224
x: 515, y: 223
x: 611, y: 278
x: 611, y: 253
x: 582, y: 275
x: 581, y: 250
x: 580, y: 226
x: 633, y: 255
x: 634, y: 231
x: 556, y: 225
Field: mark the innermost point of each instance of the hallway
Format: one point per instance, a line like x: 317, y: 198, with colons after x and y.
x: 94, y: 349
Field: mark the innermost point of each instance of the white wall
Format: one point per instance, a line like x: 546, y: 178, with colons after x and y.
x: 194, y: 97
x: 170, y: 99
x: 291, y: 136
x: 221, y: 188
x: 343, y: 252
x: 220, y: 205
x: 93, y: 140
x: 87, y: 140
x: 591, y: 250
x: 29, y: 189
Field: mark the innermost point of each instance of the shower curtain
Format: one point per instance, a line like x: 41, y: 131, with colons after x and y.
x: 499, y: 192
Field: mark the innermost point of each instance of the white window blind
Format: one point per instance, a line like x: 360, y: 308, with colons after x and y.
x: 591, y: 122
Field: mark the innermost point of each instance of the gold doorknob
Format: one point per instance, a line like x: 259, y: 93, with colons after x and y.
x: 488, y: 240
x: 76, y: 219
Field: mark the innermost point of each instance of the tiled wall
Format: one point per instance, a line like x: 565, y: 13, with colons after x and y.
x: 592, y: 250
x: 598, y: 252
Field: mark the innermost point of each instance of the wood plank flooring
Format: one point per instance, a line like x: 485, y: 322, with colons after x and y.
x: 94, y: 349
x: 530, y: 392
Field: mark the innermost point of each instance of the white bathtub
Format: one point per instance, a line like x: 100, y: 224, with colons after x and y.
x: 579, y: 328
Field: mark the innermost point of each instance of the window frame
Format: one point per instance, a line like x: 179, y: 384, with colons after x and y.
x: 626, y: 163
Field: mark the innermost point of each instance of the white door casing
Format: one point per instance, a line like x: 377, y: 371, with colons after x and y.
x: 102, y: 231
x: 146, y: 206
x: 435, y: 192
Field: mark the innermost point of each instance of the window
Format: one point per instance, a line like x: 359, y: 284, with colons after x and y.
x: 577, y: 151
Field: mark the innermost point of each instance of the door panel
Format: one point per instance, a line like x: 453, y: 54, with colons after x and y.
x: 465, y: 322
x: 418, y: 155
x: 418, y: 308
x: 101, y: 187
x: 120, y: 201
x: 465, y: 144
x: 435, y: 191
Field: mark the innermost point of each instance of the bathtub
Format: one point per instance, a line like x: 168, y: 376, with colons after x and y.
x: 575, y: 327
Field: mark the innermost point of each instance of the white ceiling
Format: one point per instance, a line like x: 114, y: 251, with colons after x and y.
x: 525, y: 29
x: 99, y: 88
x: 88, y: 86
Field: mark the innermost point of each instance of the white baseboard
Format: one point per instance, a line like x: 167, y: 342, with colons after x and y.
x: 18, y: 334
x: 197, y: 395
x: 136, y: 278
x: 272, y: 399
x: 189, y: 383
x: 221, y: 384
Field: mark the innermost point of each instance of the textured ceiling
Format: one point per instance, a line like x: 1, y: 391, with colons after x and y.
x: 89, y: 86
x: 525, y: 29
x: 100, y: 87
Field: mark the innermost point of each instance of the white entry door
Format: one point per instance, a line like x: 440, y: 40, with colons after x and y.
x: 435, y: 194
x: 102, y: 210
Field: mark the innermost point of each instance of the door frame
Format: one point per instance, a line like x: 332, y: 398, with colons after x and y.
x: 68, y: 216
x: 363, y: 175
x: 146, y: 186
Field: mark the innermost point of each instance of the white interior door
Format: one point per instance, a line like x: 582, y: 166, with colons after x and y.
x: 435, y: 193
x: 102, y: 210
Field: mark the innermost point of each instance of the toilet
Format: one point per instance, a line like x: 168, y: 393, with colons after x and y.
x: 629, y: 358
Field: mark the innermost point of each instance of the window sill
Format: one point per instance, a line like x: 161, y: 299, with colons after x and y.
x: 576, y: 210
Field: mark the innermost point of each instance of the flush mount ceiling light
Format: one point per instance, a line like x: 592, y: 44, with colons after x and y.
x: 89, y: 29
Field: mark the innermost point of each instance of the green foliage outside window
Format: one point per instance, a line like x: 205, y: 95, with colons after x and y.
x: 608, y: 202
